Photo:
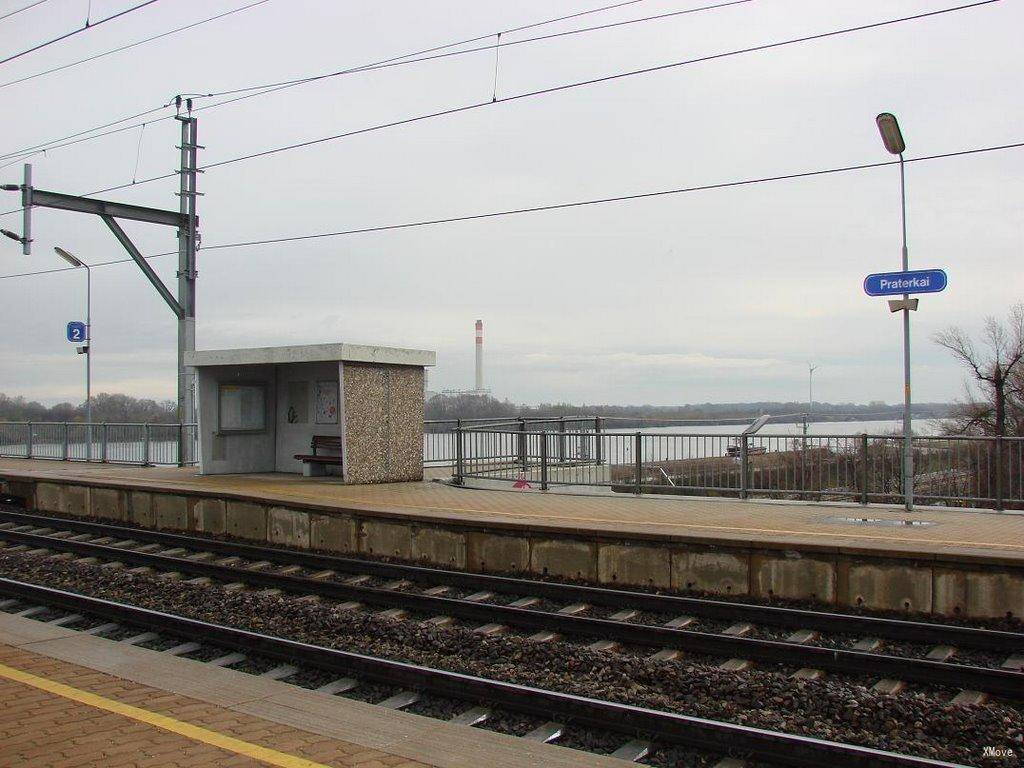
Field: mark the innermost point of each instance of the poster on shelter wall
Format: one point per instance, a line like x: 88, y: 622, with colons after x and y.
x: 327, y: 402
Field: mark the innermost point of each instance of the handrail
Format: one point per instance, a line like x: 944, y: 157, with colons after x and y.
x: 507, y: 419
x: 965, y: 470
x: 101, y: 423
x: 489, y: 428
x: 104, y: 442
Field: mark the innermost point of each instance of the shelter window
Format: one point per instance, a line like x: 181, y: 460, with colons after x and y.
x: 242, y: 408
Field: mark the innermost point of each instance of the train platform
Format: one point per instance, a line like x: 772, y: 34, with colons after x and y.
x: 71, y: 699
x: 943, y: 560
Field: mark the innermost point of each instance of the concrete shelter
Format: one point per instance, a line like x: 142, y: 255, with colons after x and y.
x: 260, y: 407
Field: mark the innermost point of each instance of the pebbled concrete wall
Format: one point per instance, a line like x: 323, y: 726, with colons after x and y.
x: 947, y: 587
x: 383, y: 423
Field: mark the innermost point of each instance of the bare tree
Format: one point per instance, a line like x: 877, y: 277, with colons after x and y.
x: 996, y: 366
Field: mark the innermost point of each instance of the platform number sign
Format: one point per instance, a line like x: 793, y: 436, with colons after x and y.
x: 76, y: 331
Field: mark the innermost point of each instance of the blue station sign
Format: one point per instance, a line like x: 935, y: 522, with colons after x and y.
x: 76, y: 331
x: 898, y: 283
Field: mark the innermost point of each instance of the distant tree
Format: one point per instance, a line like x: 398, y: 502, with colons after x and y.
x: 106, y: 407
x: 446, y: 407
x: 61, y: 412
x: 123, y: 408
x: 20, y: 409
x: 469, y: 407
x: 997, y: 369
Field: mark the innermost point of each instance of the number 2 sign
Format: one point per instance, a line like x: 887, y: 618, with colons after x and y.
x: 76, y: 331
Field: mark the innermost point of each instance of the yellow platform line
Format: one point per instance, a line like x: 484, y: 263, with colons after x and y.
x: 194, y: 732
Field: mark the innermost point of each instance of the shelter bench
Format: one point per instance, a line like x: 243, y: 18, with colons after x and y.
x: 313, y: 464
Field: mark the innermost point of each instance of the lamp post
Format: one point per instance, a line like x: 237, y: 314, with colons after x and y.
x: 78, y: 263
x: 892, y: 138
x: 810, y: 398
x: 810, y: 386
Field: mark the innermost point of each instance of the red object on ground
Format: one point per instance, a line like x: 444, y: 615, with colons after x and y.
x: 521, y: 482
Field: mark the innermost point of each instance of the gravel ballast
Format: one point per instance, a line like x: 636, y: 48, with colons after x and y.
x: 834, y: 709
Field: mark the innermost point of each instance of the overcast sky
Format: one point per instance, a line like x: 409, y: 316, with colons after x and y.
x: 714, y: 296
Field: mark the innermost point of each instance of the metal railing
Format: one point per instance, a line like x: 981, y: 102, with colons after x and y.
x: 439, y: 435
x: 144, y: 444
x: 949, y: 470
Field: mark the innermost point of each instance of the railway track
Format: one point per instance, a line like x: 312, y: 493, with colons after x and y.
x: 481, y: 695
x: 565, y: 613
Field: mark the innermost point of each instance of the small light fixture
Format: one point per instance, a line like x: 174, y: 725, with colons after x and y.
x: 12, y: 235
x: 891, y: 135
x: 68, y: 257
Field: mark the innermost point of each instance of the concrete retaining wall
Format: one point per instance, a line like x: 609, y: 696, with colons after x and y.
x: 943, y: 586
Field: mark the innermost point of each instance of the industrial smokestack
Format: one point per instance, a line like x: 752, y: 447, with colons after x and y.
x: 479, y: 355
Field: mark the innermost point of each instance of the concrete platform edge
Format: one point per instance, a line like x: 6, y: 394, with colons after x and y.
x: 885, y: 578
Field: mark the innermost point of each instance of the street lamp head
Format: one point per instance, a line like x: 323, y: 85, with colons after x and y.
x: 891, y: 135
x: 69, y: 258
x: 12, y: 235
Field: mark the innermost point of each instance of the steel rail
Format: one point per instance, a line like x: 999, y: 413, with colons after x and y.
x: 711, y: 735
x: 1001, y: 682
x: 795, y: 618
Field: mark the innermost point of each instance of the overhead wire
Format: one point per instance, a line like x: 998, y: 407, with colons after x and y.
x: 549, y: 90
x: 128, y: 46
x: 138, y: 153
x: 614, y: 199
x: 593, y: 81
x: 431, y: 53
x: 19, y: 10
x: 71, y: 139
x: 21, y: 159
x: 267, y: 88
x: 563, y: 206
x: 249, y: 92
x: 74, y: 32
x: 78, y: 138
x: 603, y: 79
x: 55, y: 144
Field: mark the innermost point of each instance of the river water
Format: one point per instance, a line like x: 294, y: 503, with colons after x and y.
x: 823, y: 428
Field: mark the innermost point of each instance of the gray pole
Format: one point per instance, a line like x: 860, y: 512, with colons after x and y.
x: 186, y: 264
x: 88, y: 360
x: 908, y: 454
x: 26, y: 215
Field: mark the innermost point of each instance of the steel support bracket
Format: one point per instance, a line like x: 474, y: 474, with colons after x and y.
x: 42, y: 199
x: 147, y: 270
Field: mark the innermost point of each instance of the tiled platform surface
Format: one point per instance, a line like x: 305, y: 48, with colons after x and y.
x: 961, y: 534
x: 39, y: 728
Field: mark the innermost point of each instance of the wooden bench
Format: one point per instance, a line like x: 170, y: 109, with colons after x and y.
x: 313, y: 465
